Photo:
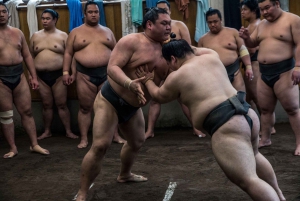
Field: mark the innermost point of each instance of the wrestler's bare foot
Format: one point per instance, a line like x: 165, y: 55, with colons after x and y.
x: 132, y: 178
x: 297, y: 151
x: 280, y: 195
x: 149, y: 134
x: 80, y: 197
x: 273, y: 131
x: 82, y: 144
x: 46, y: 134
x: 39, y: 150
x: 198, y: 133
x: 265, y: 143
x: 117, y: 138
x: 71, y: 135
x: 12, y: 153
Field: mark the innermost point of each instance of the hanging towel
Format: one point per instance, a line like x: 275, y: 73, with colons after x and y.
x: 151, y: 3
x: 232, y: 14
x: 136, y: 12
x: 218, y: 4
x: 285, y: 5
x: 12, y: 9
x: 183, y: 7
x: 127, y: 25
x: 31, y: 16
x: 102, y: 20
x: 76, y: 14
x: 201, y: 25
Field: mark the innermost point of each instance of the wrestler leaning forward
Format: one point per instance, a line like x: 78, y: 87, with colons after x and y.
x: 13, y: 85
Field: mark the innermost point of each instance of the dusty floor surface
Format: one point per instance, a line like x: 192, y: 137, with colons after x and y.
x: 173, y: 155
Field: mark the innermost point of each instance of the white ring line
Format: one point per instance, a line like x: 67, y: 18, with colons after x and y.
x: 170, y: 191
x: 89, y: 189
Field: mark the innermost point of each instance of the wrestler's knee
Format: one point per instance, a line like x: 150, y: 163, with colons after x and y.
x: 153, y: 103
x: 61, y: 106
x: 85, y: 109
x: 137, y: 143
x: 6, y: 117
x: 27, y: 113
x: 99, y: 149
x: 47, y: 105
x: 291, y: 111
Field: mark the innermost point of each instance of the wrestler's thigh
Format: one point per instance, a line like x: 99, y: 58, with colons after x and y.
x: 105, y: 121
x: 238, y: 82
x: 22, y: 96
x: 45, y: 93
x: 86, y: 91
x: 233, y: 151
x: 255, y: 129
x: 134, y: 129
x: 265, y: 96
x: 286, y: 92
x: 60, y: 92
x: 6, y: 100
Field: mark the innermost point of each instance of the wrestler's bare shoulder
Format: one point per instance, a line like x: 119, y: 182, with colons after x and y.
x: 14, y: 30
x: 178, y: 23
x: 230, y: 30
x: 132, y: 40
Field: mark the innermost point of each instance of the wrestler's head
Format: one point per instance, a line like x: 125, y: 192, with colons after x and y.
x: 4, y: 14
x: 49, y: 18
x: 157, y: 24
x: 164, y: 4
x: 249, y: 7
x: 269, y: 9
x: 174, y: 50
x: 214, y: 20
x: 91, y: 13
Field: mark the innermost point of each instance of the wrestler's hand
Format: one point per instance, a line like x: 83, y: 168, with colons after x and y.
x: 296, y: 76
x: 34, y: 84
x: 244, y: 33
x: 143, y: 71
x: 135, y: 87
x: 72, y: 78
x: 249, y: 74
x: 66, y: 79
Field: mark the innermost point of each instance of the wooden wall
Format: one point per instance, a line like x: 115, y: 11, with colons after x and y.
x: 113, y: 21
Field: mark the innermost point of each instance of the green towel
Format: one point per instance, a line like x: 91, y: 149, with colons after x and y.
x: 136, y: 12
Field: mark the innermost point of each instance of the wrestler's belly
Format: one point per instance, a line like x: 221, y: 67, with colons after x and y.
x: 228, y: 57
x: 90, y: 58
x: 274, y: 52
x: 48, y: 61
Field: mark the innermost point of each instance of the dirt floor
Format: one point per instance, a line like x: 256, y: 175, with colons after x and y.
x: 173, y: 155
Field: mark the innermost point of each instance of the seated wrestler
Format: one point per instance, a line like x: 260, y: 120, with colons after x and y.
x: 201, y: 82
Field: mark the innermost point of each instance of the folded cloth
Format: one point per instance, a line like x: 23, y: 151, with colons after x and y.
x: 31, y: 16
x: 136, y: 12
x: 102, y: 20
x: 12, y: 9
x: 183, y: 7
x: 127, y: 25
x: 76, y: 15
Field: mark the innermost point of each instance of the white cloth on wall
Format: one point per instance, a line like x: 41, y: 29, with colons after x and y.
x: 218, y: 4
x: 31, y: 16
x: 285, y: 5
x: 201, y: 25
x: 127, y: 25
x: 14, y: 20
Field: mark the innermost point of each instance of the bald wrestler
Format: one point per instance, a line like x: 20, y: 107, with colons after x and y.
x: 13, y: 85
x: 219, y: 110
x: 279, y: 43
x: 91, y: 45
x: 47, y: 47
x: 227, y: 43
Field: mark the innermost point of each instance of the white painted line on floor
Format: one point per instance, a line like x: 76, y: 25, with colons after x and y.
x: 170, y: 191
x: 89, y: 189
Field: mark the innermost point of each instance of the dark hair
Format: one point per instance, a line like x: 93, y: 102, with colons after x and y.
x: 3, y: 4
x: 163, y: 1
x: 177, y: 48
x: 212, y: 11
x: 89, y: 3
x: 260, y: 1
x: 252, y: 5
x: 53, y: 13
x: 152, y: 15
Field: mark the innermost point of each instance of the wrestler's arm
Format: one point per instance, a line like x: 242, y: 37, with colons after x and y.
x: 68, y: 56
x: 200, y: 42
x: 184, y: 32
x: 31, y: 44
x: 250, y: 40
x: 198, y: 51
x: 29, y: 63
x: 166, y: 93
x: 295, y: 27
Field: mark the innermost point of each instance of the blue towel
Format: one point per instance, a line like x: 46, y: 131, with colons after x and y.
x: 201, y: 25
x: 102, y: 20
x: 76, y: 15
x: 151, y: 3
x: 136, y: 12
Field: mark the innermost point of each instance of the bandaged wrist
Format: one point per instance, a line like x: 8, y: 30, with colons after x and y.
x: 127, y: 83
x: 297, y: 68
x: 243, y: 51
x: 66, y: 72
x: 248, y: 67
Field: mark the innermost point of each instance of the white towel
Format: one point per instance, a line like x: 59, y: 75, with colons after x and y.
x: 218, y: 4
x: 127, y: 25
x: 31, y: 16
x: 14, y: 16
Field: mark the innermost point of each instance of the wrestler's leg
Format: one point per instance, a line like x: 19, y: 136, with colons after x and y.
x: 105, y: 122
x: 233, y: 151
x: 288, y: 95
x: 8, y: 129
x: 238, y: 82
x: 22, y: 100
x: 134, y: 132
x: 267, y: 102
x: 153, y: 114
x: 60, y: 96
x: 186, y: 112
x: 264, y: 169
x: 47, y: 101
x: 86, y: 92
